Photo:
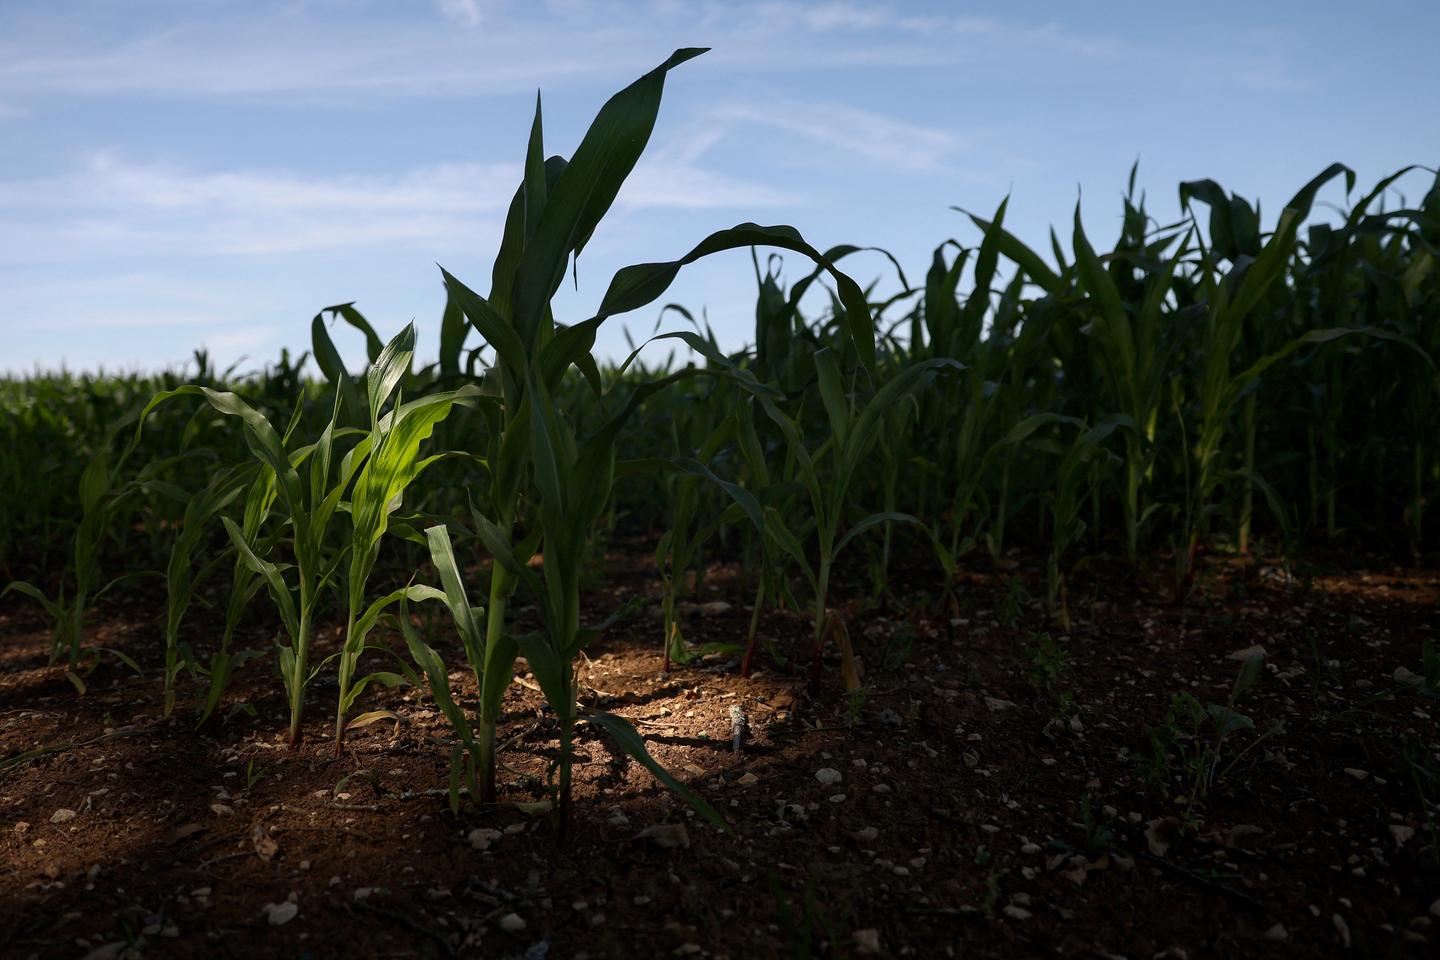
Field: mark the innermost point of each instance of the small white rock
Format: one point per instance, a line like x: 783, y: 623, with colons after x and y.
x: 829, y: 776
x: 512, y: 923
x: 867, y: 941
x: 668, y: 835
x: 280, y: 913
x: 62, y: 815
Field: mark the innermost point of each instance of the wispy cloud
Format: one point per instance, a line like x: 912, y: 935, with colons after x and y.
x: 378, y: 51
x: 115, y: 208
x: 892, y: 143
x: 464, y: 12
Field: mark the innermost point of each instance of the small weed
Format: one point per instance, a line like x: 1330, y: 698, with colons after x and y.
x: 252, y: 775
x: 992, y: 893
x: 1012, y: 608
x: 1189, y: 743
x: 1099, y: 838
x: 1049, y: 664
x: 855, y: 705
x: 809, y: 931
x: 899, y: 647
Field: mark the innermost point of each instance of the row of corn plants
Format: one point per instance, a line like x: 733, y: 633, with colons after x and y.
x: 1209, y: 383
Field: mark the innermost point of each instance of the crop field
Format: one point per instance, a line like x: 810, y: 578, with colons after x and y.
x: 1072, y: 599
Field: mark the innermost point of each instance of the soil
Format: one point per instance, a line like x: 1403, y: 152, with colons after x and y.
x: 967, y: 802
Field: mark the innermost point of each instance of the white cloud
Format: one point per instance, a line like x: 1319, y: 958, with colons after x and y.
x: 466, y: 13
x: 380, y: 50
x: 885, y: 140
x: 241, y: 339
x: 116, y: 208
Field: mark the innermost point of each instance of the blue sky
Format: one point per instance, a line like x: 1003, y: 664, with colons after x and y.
x: 175, y: 174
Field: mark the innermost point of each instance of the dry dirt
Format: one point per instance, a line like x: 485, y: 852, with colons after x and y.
x: 959, y: 806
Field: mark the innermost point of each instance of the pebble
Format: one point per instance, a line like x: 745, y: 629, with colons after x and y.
x: 1277, y: 934
x: 869, y: 834
x: 828, y: 776
x: 867, y: 941
x: 280, y: 913
x: 667, y: 835
x: 512, y: 923
x: 62, y: 815
x: 748, y: 780
x: 482, y: 837
x: 1016, y: 913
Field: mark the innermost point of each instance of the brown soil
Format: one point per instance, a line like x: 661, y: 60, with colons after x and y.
x: 957, y: 827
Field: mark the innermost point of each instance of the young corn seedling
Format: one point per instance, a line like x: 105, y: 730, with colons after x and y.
x: 1074, y: 476
x: 826, y: 475
x: 391, y: 456
x: 102, y: 493
x: 680, y: 546
x: 309, y: 508
x: 181, y: 579
x: 245, y: 582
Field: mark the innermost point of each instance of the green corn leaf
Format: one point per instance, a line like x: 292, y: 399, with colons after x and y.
x: 437, y: 677
x: 832, y: 395
x: 625, y: 735
x: 279, y: 592
x: 585, y: 190
x: 873, y: 520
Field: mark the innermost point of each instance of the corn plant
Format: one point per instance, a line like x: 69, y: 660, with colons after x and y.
x: 181, y: 578
x: 310, y: 507
x: 555, y: 212
x: 103, y: 492
x: 390, y: 453
x: 826, y: 472
x: 1228, y: 301
x: 245, y: 582
x: 1075, y: 474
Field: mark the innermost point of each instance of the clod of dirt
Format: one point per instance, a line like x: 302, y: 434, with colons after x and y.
x: 1161, y: 834
x: 265, y: 845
